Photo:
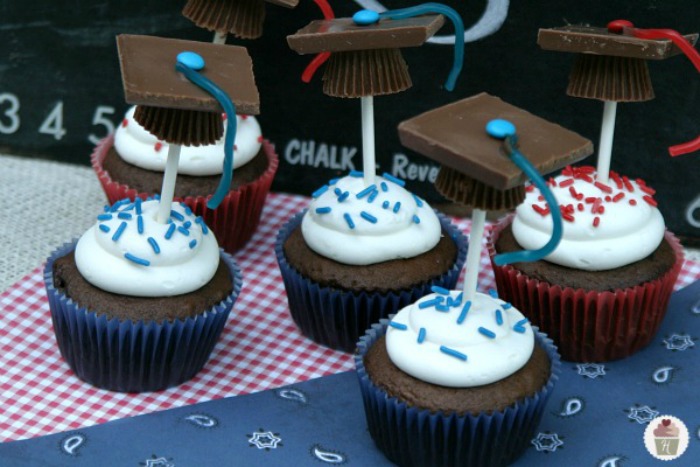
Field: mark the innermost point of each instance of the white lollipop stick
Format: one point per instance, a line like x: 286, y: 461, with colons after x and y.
x: 474, y: 253
x: 369, y: 164
x: 220, y: 37
x: 607, y: 132
x: 167, y: 192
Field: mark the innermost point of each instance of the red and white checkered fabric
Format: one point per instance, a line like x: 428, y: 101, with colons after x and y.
x: 260, y: 348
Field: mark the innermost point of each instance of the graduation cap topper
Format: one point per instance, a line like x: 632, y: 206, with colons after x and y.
x: 478, y: 142
x: 180, y: 89
x: 242, y: 18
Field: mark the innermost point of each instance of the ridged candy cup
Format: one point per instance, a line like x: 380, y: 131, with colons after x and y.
x: 337, y: 318
x: 134, y: 356
x: 589, y: 325
x: 410, y: 436
x: 234, y: 221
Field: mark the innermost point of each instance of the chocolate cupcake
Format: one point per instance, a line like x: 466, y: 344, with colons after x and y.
x: 138, y: 305
x: 603, y: 292
x: 453, y: 382
x: 360, y: 253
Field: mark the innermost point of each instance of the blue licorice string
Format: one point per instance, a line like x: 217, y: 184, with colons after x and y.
x: 557, y: 228
x: 453, y: 16
x: 230, y: 109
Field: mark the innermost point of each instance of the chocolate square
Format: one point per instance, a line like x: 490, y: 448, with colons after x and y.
x: 342, y: 34
x: 598, y: 41
x: 455, y: 136
x: 149, y: 75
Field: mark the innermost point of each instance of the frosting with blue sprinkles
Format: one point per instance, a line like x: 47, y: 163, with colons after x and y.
x: 447, y: 341
x: 356, y: 223
x: 128, y: 252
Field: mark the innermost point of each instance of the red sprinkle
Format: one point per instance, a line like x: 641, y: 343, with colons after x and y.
x: 618, y: 197
x: 125, y: 122
x: 579, y: 206
x: 235, y: 147
x: 627, y: 183
x: 530, y: 188
x: 649, y: 200
x: 567, y: 182
x: 552, y: 182
x: 596, y: 221
x: 596, y: 206
x: 633, y: 202
x: 540, y: 198
x: 567, y: 171
x: 244, y: 117
x: 540, y: 210
x: 224, y: 116
x: 616, y: 178
x: 567, y: 217
x: 603, y: 187
x: 260, y: 139
x: 590, y: 199
x: 585, y: 178
x: 158, y: 146
x: 608, y: 199
x: 647, y: 190
x: 601, y: 209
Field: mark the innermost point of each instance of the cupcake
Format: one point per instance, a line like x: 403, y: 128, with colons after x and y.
x: 360, y: 253
x: 454, y: 382
x: 603, y: 292
x: 130, y: 163
x: 137, y: 304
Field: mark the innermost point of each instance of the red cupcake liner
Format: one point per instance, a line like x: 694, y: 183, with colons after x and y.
x: 235, y: 220
x: 589, y: 325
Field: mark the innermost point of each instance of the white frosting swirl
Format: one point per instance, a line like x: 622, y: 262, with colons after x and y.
x: 492, y: 351
x: 182, y: 255
x: 628, y: 227
x: 139, y: 147
x: 371, y: 228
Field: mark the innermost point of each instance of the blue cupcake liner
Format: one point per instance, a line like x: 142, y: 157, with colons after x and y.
x: 337, y: 318
x: 411, y: 436
x: 134, y: 356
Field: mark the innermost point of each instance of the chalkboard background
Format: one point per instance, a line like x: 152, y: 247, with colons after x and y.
x: 60, y: 88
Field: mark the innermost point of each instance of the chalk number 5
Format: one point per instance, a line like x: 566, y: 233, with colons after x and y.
x: 100, y: 118
x: 9, y: 118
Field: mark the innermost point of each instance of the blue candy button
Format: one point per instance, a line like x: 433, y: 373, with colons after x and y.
x: 191, y: 60
x: 365, y: 17
x: 500, y: 128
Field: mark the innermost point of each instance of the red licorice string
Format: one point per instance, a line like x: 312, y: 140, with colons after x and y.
x: 320, y: 58
x: 622, y: 26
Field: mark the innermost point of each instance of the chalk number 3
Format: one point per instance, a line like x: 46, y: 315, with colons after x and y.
x: 9, y: 106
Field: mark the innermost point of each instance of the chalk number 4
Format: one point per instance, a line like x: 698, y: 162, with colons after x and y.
x: 53, y: 124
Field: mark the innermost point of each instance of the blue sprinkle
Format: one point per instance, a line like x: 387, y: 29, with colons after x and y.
x: 128, y: 207
x: 119, y: 231
x: 372, y: 196
x: 430, y: 303
x: 399, y: 326
x: 391, y: 178
x: 366, y: 191
x: 419, y: 202
x: 104, y: 228
x: 187, y: 224
x: 154, y: 245
x: 506, y: 306
x: 170, y: 232
x: 139, y: 224
x: 397, y: 206
x: 519, y: 326
x: 348, y: 219
x: 440, y: 290
x: 416, y: 219
x: 343, y: 196
x: 368, y: 217
x: 384, y: 187
x: 356, y: 174
x: 493, y: 293
x: 465, y: 310
x: 187, y: 209
x: 487, y: 332
x: 443, y: 308
x: 124, y: 215
x: 499, y: 317
x: 453, y: 353
x: 421, y: 335
x: 455, y: 302
x: 323, y: 210
x: 337, y: 191
x: 385, y: 204
x: 137, y: 260
x: 183, y: 231
x: 104, y: 217
x: 320, y: 191
x: 333, y: 181
x: 193, y: 244
x: 202, y: 225
x: 137, y: 205
x: 177, y: 215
